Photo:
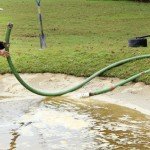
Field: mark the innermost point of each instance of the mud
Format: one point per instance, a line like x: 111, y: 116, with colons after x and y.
x: 132, y: 95
x: 28, y: 121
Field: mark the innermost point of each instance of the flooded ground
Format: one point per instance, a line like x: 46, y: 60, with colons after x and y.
x: 65, y: 124
x: 31, y: 122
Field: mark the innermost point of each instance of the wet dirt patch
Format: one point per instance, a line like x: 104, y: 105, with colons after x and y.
x: 6, y: 97
x: 69, y: 122
x: 64, y: 123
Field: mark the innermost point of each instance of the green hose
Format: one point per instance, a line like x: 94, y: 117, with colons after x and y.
x: 42, y: 93
x: 111, y: 88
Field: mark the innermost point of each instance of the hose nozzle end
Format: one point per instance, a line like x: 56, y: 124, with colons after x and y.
x: 10, y: 25
x: 85, y: 95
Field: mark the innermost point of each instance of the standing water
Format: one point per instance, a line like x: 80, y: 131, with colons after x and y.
x: 64, y: 124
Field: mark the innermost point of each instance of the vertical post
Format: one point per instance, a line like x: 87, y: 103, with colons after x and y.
x: 42, y: 36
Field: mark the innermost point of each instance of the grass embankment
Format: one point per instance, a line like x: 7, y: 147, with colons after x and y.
x: 82, y: 36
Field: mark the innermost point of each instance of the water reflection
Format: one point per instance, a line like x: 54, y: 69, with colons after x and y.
x: 61, y: 123
x: 107, y: 126
x: 15, y: 135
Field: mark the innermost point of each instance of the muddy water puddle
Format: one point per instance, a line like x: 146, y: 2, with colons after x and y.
x: 65, y: 124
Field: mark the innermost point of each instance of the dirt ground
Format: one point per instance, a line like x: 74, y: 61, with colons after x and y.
x: 29, y: 121
x: 132, y: 95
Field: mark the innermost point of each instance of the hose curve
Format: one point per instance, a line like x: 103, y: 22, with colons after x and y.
x: 58, y: 93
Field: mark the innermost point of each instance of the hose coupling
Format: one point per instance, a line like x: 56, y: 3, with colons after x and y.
x: 10, y: 25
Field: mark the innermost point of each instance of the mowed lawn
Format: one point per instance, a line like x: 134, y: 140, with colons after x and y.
x: 83, y: 36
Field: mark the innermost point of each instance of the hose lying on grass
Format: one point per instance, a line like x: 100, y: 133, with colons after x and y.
x: 42, y: 93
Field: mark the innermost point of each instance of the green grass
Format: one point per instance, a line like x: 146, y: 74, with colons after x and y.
x: 82, y: 36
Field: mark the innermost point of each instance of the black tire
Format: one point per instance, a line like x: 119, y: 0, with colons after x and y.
x: 139, y: 42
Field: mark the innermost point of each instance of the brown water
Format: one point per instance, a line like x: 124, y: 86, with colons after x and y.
x: 65, y: 124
